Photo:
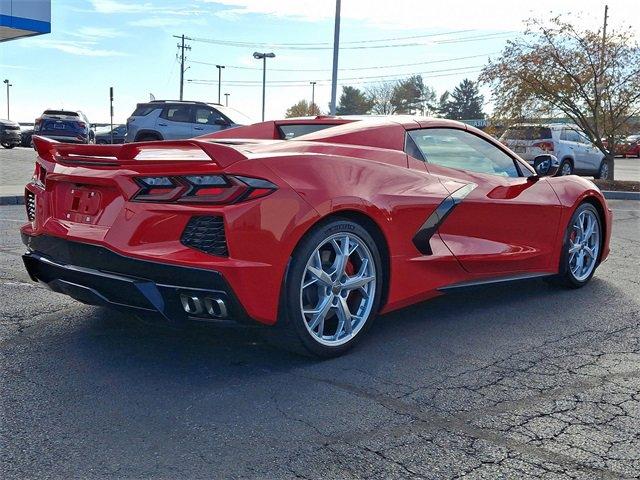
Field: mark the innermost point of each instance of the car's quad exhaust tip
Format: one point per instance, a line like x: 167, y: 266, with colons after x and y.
x: 204, y: 307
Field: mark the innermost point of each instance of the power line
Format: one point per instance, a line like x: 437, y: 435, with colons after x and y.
x: 376, y: 67
x: 311, y: 44
x: 475, y: 38
x: 396, y: 75
x: 301, y: 83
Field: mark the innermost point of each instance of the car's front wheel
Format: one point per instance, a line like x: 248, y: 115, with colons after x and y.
x: 603, y: 171
x: 332, y: 290
x: 581, y: 247
x: 8, y: 145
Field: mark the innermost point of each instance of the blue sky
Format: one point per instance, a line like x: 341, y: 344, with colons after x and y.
x: 128, y: 44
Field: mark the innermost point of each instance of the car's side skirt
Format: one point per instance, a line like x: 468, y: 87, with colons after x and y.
x: 493, y: 280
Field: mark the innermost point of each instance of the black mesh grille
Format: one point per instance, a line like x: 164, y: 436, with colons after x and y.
x: 30, y: 204
x: 206, y: 234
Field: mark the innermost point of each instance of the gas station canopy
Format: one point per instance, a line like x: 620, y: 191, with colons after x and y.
x: 24, y: 18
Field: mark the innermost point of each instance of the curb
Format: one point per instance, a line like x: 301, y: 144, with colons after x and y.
x: 12, y: 200
x: 614, y: 195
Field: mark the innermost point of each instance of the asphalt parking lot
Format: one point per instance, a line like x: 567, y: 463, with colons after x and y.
x: 515, y: 381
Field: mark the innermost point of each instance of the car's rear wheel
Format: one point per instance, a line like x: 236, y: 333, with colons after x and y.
x: 581, y: 247
x: 8, y: 145
x: 566, y: 168
x: 603, y: 171
x: 332, y: 290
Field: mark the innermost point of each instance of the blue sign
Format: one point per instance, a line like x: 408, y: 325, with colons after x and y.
x: 20, y: 18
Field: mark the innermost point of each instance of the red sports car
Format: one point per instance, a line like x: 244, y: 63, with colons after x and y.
x: 309, y: 226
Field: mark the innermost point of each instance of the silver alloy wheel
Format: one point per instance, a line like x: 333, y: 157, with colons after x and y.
x: 584, y: 245
x: 566, y: 169
x: 604, y: 171
x: 338, y: 289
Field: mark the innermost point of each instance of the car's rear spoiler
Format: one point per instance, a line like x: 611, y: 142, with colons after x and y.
x: 132, y: 153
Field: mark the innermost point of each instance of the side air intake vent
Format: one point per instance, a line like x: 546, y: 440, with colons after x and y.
x: 206, y: 233
x: 30, y: 205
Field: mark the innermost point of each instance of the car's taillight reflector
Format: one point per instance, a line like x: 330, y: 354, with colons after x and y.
x: 172, y: 154
x: 209, y: 189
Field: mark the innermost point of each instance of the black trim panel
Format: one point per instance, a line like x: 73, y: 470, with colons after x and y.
x: 431, y: 225
x: 99, y: 276
x: 494, y: 280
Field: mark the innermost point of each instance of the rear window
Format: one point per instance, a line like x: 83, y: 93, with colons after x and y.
x: 287, y: 132
x: 61, y: 112
x: 142, y: 110
x: 527, y: 133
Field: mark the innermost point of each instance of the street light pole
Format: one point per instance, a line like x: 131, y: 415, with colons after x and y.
x: 263, y: 57
x: 226, y: 99
x: 6, y: 81
x: 313, y: 94
x: 219, y: 67
x: 336, y: 46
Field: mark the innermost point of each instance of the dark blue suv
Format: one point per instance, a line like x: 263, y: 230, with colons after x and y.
x: 64, y: 126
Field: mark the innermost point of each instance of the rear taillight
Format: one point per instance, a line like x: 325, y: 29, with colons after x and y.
x: 37, y: 124
x: 80, y: 124
x: 546, y: 146
x: 209, y: 189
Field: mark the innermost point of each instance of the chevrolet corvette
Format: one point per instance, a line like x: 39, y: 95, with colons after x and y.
x: 310, y: 227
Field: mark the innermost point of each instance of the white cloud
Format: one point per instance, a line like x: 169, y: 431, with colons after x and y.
x: 115, y: 6
x: 157, y: 22
x: 452, y: 14
x: 98, y: 32
x: 81, y: 48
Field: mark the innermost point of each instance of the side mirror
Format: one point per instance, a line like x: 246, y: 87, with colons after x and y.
x: 546, y: 165
x: 221, y: 121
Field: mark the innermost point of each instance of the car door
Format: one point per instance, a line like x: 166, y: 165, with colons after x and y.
x: 592, y: 156
x: 175, y: 122
x: 208, y: 120
x: 505, y: 219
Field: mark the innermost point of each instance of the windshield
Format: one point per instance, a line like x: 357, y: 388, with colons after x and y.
x: 289, y: 131
x: 526, y: 132
x: 61, y: 112
x: 234, y: 115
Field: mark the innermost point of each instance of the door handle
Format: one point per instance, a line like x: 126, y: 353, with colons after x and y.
x: 162, y: 124
x: 198, y: 128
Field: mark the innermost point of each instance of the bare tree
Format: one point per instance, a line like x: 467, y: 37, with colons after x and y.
x: 382, y: 96
x: 558, y: 67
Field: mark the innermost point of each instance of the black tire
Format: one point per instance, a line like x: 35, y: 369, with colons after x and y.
x: 8, y: 146
x: 291, y: 332
x: 601, y: 174
x: 565, y: 277
x: 563, y: 164
x: 148, y: 137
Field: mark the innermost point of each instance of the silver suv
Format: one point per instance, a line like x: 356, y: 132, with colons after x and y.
x: 576, y: 153
x: 172, y: 119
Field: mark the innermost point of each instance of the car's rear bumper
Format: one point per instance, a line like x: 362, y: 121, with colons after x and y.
x: 98, y: 276
x: 10, y: 138
x: 63, y: 138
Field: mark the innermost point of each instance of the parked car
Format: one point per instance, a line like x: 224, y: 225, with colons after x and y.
x: 104, y: 135
x: 311, y: 236
x: 630, y: 146
x: 64, y: 126
x: 576, y: 153
x: 9, y: 134
x: 171, y: 120
x: 25, y: 136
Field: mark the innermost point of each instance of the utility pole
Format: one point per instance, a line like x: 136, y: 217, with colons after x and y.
x: 226, y: 99
x: 336, y: 47
x: 313, y: 94
x: 219, y: 67
x: 263, y: 57
x: 111, y: 112
x: 182, y: 58
x: 6, y: 81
